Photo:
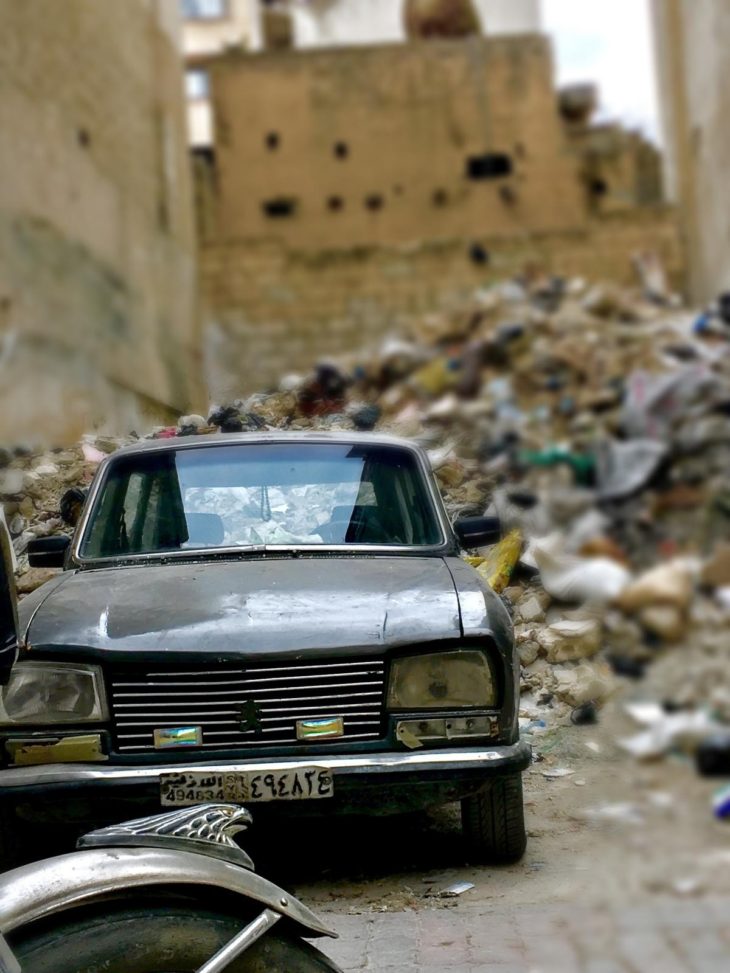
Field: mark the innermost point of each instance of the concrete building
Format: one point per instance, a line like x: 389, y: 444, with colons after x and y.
x: 214, y: 26
x: 333, y: 144
x: 692, y: 38
x: 619, y: 168
x: 99, y: 321
x: 351, y: 190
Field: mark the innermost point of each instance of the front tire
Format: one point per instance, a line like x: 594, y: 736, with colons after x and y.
x: 493, y: 822
x: 175, y: 938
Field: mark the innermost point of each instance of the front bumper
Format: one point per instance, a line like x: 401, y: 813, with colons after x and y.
x: 384, y: 782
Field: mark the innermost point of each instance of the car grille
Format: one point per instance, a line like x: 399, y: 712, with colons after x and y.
x: 214, y: 700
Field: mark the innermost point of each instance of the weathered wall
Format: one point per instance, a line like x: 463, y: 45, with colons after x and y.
x: 620, y: 169
x: 367, y: 146
x: 692, y: 43
x: 329, y: 23
x: 273, y: 309
x: 398, y: 124
x: 98, y: 303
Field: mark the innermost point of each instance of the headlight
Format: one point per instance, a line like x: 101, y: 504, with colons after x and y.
x: 441, y: 680
x: 50, y: 693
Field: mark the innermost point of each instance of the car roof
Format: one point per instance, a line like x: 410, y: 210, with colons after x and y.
x: 270, y: 436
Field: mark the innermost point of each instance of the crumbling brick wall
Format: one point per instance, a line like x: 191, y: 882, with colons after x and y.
x: 274, y: 310
x: 97, y: 255
x: 391, y: 144
x: 350, y: 190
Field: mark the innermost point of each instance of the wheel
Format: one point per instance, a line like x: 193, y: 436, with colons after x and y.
x: 177, y: 938
x: 494, y: 822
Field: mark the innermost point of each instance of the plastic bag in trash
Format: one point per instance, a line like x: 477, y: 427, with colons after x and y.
x: 575, y: 579
x: 623, y: 468
x: 654, y: 402
x: 498, y: 565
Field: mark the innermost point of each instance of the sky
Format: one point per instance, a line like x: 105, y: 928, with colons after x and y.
x: 608, y: 42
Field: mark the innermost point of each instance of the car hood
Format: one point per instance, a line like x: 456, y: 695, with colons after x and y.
x: 232, y: 608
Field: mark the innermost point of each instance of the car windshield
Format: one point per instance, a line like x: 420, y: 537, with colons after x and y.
x: 257, y: 495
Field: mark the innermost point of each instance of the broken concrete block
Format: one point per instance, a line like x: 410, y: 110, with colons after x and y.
x: 11, y: 482
x: 667, y: 584
x: 530, y: 610
x: 716, y: 572
x: 666, y: 621
x: 528, y: 652
x: 580, y: 684
x: 569, y: 640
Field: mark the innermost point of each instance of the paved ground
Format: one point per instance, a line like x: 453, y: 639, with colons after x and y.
x: 662, y: 937
x: 626, y: 872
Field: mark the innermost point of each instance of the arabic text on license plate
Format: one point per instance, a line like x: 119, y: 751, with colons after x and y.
x: 243, y: 787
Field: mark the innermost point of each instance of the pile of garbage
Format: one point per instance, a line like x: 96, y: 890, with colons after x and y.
x: 593, y: 420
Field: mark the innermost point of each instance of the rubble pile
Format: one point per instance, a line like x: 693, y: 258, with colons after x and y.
x: 37, y: 490
x: 593, y: 420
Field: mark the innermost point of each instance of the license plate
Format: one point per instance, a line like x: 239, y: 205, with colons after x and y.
x: 244, y: 787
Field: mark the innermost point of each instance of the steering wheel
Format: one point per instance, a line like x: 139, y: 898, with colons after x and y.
x: 335, y: 531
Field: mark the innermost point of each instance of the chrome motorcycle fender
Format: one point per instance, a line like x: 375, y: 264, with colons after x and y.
x: 47, y: 887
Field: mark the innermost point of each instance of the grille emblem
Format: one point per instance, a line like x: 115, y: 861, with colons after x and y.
x: 250, y: 717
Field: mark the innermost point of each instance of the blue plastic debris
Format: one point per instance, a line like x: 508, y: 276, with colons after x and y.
x: 721, y: 804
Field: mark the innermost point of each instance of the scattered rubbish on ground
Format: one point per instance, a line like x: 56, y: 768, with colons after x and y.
x: 666, y: 731
x: 593, y: 421
x: 721, y: 804
x: 454, y: 890
x: 559, y: 773
x: 619, y: 813
x: 713, y: 756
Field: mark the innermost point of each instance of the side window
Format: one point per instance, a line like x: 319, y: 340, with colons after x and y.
x: 140, y: 509
x: 151, y: 523
x: 153, y: 512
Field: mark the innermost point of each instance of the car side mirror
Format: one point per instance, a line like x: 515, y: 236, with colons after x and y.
x: 478, y: 531
x: 8, y: 609
x: 72, y: 505
x: 48, y: 552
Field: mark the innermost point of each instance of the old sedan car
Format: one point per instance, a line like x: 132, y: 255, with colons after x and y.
x: 265, y: 618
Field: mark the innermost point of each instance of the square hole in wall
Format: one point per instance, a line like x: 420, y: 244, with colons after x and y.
x: 479, y: 255
x: 280, y: 207
x: 491, y: 165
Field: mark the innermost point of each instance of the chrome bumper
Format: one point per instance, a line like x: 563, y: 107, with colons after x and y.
x: 490, y: 761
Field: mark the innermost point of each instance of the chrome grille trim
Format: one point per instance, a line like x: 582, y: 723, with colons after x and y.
x: 243, y: 686
x: 145, y: 700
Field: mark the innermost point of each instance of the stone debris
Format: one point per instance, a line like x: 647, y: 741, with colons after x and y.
x: 570, y: 639
x: 591, y: 419
x: 440, y: 18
